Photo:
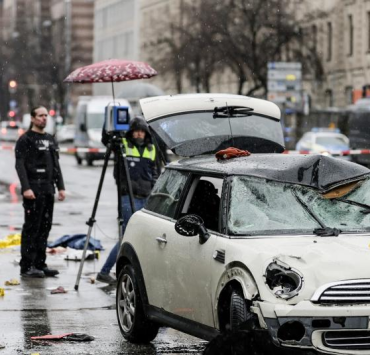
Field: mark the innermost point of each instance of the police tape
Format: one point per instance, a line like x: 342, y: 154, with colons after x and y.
x: 103, y: 150
x: 82, y: 150
x: 342, y: 153
x: 64, y: 149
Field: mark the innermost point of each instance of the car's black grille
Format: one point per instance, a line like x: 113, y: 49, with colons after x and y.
x: 347, y: 340
x: 347, y: 292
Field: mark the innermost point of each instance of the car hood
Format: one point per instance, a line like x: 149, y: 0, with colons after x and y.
x: 320, y: 260
x: 197, y: 124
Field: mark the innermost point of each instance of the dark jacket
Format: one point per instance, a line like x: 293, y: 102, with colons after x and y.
x: 37, y: 163
x: 141, y: 161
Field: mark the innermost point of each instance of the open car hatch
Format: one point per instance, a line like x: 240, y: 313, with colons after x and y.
x: 197, y: 124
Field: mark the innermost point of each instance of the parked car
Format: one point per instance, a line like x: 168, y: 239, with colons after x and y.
x: 66, y: 133
x: 325, y: 141
x: 273, y: 243
x: 10, y: 131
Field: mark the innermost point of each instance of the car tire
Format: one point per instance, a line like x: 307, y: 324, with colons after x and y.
x: 238, y: 310
x: 78, y: 159
x: 89, y: 161
x: 133, y: 323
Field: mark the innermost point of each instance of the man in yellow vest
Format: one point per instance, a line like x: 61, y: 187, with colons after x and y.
x: 141, y: 159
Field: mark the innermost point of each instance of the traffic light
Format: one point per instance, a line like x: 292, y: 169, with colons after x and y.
x: 11, y: 113
x: 52, y: 113
x: 13, y: 86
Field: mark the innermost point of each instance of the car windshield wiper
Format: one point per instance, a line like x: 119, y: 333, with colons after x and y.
x: 324, y: 231
x: 232, y: 111
x: 354, y: 203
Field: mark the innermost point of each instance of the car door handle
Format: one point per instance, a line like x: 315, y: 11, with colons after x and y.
x: 161, y: 239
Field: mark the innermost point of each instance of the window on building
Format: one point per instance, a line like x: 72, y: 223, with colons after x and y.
x: 314, y: 37
x: 349, y: 95
x: 330, y: 40
x: 368, y: 31
x: 329, y: 100
x: 350, y: 35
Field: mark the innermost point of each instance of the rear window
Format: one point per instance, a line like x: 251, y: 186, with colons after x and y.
x: 329, y: 140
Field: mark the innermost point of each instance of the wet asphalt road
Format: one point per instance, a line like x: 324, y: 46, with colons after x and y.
x: 29, y: 309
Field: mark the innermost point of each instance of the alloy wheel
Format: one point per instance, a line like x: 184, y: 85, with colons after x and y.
x: 127, y: 303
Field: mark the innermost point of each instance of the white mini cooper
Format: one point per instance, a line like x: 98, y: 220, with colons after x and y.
x: 274, y: 242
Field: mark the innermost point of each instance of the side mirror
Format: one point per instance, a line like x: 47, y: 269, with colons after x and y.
x: 190, y: 226
x: 83, y: 127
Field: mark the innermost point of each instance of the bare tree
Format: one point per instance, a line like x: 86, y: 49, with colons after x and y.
x: 236, y: 34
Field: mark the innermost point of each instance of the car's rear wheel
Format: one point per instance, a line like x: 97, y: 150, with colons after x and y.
x: 133, y: 323
x: 89, y: 161
x: 78, y: 159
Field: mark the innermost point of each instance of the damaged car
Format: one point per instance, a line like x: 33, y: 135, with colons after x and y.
x: 248, y: 237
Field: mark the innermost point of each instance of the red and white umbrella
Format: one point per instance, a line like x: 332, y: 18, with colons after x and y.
x: 110, y: 71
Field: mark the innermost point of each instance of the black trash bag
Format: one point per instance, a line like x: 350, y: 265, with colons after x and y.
x: 78, y: 337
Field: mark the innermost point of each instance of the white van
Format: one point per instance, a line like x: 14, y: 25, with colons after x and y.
x: 89, y: 121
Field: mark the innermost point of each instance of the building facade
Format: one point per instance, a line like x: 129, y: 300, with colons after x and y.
x: 341, y: 32
x: 72, y: 31
x: 116, y: 35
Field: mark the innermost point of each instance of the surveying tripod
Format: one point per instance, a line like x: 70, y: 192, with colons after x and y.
x: 115, y: 144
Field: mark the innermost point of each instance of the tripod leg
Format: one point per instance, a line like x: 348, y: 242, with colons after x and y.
x: 91, y: 220
x: 119, y: 205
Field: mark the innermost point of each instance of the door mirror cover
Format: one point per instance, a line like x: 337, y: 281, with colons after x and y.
x: 189, y: 225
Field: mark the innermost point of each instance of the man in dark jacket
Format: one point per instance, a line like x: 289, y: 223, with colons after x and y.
x: 37, y: 165
x: 141, y: 159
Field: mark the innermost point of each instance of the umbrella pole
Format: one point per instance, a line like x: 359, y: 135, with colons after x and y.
x: 113, y: 91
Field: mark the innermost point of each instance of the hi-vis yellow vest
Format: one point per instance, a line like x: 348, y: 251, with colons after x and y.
x: 134, y: 152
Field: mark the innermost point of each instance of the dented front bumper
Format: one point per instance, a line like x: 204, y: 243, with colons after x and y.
x: 332, y: 329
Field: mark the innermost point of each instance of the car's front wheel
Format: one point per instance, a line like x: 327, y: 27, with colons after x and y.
x: 133, y: 323
x: 238, y: 310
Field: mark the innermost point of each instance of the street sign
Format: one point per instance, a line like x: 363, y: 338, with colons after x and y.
x: 284, y: 66
x: 284, y: 84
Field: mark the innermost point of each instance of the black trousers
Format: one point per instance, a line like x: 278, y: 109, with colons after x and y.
x: 38, y: 217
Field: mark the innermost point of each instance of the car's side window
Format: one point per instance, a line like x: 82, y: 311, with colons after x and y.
x: 204, y: 199
x: 166, y: 193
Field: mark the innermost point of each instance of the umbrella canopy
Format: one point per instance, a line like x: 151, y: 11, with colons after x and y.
x: 112, y: 70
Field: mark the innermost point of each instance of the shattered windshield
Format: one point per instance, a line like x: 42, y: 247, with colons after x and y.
x: 260, y: 207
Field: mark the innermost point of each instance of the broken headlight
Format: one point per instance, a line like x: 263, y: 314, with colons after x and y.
x: 282, y: 280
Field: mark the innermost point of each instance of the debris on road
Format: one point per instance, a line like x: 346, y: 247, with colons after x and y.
x: 2, y: 346
x: 76, y: 241
x: 67, y: 336
x: 12, y: 282
x: 2, y: 292
x: 59, y: 289
x: 11, y: 240
x: 76, y: 255
x: 56, y: 250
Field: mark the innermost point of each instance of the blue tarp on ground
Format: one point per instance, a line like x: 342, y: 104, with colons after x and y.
x: 76, y: 241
